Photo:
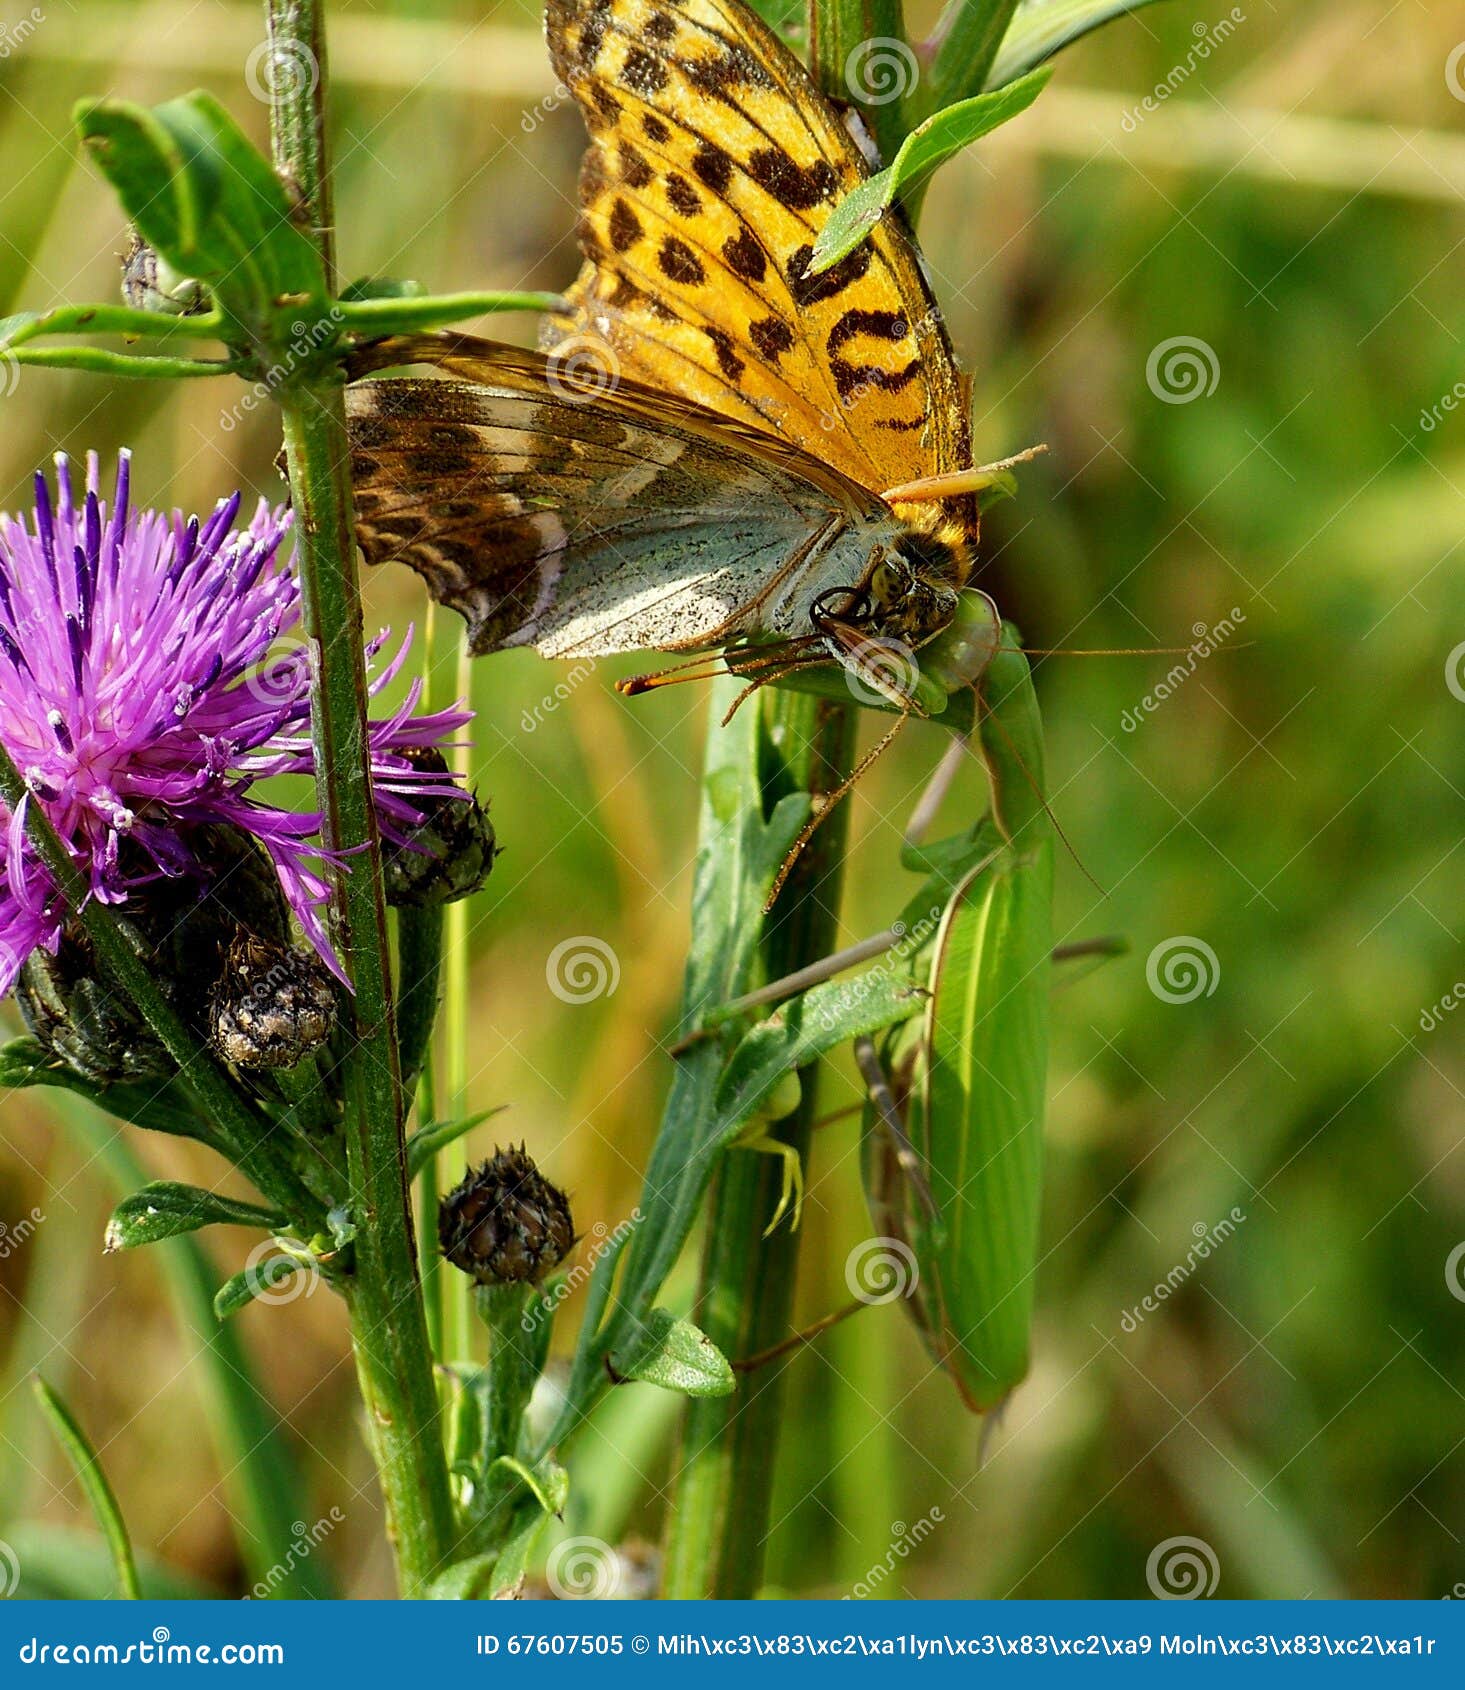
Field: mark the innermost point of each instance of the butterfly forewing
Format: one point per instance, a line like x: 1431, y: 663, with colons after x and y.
x: 713, y: 164
x: 581, y: 521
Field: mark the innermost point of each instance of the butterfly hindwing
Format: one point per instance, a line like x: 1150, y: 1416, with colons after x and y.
x: 576, y: 520
x: 713, y: 164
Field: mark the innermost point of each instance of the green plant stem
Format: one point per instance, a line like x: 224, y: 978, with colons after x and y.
x: 389, y: 1328
x: 719, y: 1520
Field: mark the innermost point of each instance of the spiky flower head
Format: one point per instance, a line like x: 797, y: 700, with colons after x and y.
x: 140, y: 701
x: 504, y: 1223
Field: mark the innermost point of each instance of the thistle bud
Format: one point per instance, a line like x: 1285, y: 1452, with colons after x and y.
x: 272, y: 1005
x: 449, y: 853
x: 505, y: 1224
x: 150, y: 283
x: 78, y: 1019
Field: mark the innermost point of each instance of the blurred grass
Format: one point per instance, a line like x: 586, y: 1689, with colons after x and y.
x: 1296, y: 804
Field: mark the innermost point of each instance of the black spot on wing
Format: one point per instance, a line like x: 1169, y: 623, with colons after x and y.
x: 799, y: 187
x: 682, y: 195
x: 679, y: 263
x: 624, y: 227
x: 745, y: 256
x: 772, y: 337
x: 809, y: 290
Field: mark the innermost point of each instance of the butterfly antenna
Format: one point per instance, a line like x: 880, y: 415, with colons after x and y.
x: 992, y: 716
x: 768, y: 680
x: 827, y: 807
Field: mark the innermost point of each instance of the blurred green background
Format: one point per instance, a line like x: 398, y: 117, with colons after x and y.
x: 1293, y: 208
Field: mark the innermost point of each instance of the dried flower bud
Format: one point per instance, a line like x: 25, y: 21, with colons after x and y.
x: 150, y: 283
x: 505, y: 1224
x: 272, y: 1005
x: 448, y: 855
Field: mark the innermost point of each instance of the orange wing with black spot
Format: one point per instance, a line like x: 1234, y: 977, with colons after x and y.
x: 713, y: 164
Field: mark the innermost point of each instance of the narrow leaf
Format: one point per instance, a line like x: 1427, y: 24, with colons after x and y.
x: 99, y: 1493
x: 937, y: 139
x: 1041, y: 28
x: 23, y: 1062
x: 677, y: 1356
x: 266, y: 1279
x: 425, y: 1143
x: 165, y: 1209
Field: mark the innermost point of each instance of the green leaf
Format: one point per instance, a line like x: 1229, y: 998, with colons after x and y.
x: 937, y: 139
x: 677, y: 1356
x: 165, y: 1209
x: 425, y: 1143
x: 211, y: 205
x: 93, y: 1480
x: 267, y: 1279
x: 547, y: 1482
x: 467, y: 1581
x: 1041, y: 28
x: 817, y: 1021
x: 24, y: 1062
x: 976, y: 1079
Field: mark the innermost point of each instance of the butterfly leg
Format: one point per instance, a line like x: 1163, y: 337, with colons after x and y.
x: 791, y: 1189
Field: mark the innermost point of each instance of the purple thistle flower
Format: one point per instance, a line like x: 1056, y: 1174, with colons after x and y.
x: 138, y: 699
